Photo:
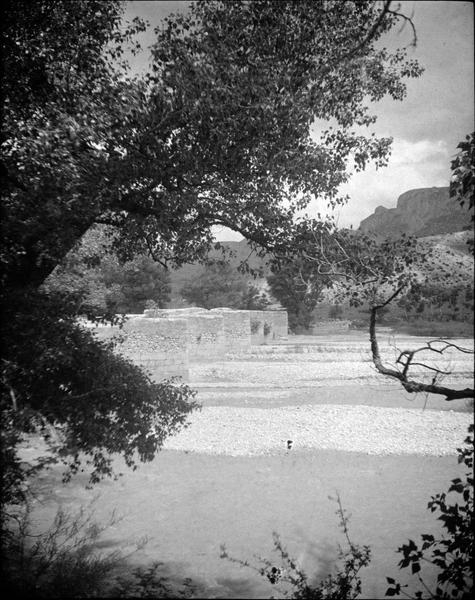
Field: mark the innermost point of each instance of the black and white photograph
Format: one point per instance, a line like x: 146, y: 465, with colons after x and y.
x: 237, y: 299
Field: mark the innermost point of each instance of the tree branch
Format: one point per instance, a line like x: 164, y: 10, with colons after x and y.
x: 410, y: 385
x: 407, y: 20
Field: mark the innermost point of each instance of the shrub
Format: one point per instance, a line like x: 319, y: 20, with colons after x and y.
x: 151, y: 304
x: 149, y: 582
x: 63, y: 563
x: 343, y: 584
x: 58, y: 563
x: 359, y: 324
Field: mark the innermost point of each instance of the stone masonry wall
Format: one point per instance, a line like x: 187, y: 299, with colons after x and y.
x: 162, y: 341
x: 237, y: 329
x: 158, y: 345
x: 261, y: 329
x: 325, y: 327
x: 205, y: 330
x: 280, y: 323
x: 173, y: 312
x: 206, y: 335
x: 268, y: 325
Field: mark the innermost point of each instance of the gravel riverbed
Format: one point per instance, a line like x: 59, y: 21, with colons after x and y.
x: 236, y: 431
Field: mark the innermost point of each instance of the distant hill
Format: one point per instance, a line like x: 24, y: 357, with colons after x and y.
x: 427, y: 213
x: 422, y: 212
x: 451, y: 260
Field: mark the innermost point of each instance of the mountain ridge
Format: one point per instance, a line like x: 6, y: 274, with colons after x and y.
x: 420, y: 212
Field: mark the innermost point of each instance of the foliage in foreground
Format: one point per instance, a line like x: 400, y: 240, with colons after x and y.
x: 88, y: 402
x: 63, y: 562
x: 462, y: 183
x: 57, y: 563
x: 342, y: 584
x: 217, y: 133
x: 452, y: 554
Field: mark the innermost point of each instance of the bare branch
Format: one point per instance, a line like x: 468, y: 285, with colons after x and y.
x: 408, y: 355
x: 390, y: 299
x: 447, y: 345
x: 406, y: 20
x: 369, y: 36
x: 409, y: 385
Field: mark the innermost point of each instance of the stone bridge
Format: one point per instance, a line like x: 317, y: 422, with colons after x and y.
x: 164, y: 341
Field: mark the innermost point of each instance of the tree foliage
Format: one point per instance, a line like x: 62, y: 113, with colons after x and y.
x: 373, y: 274
x: 82, y: 270
x: 135, y: 283
x: 462, y: 182
x: 106, y: 282
x: 298, y: 287
x: 452, y: 554
x: 438, y: 301
x: 217, y: 134
x: 219, y: 285
x: 65, y: 107
x: 88, y: 402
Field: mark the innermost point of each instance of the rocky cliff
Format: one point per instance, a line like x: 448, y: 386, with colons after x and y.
x: 421, y: 212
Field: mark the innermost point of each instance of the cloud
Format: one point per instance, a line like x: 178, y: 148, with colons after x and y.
x: 439, y: 104
x: 412, y: 165
x: 422, y: 152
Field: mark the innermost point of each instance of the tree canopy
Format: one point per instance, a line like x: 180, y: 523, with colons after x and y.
x: 217, y: 134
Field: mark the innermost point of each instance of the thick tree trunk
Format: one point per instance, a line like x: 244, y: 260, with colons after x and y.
x: 31, y: 269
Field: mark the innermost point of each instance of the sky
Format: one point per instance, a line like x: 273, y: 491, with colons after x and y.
x: 437, y: 113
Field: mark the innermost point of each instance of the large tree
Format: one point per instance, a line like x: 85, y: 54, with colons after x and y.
x: 297, y: 286
x: 218, y: 133
x: 66, y: 108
